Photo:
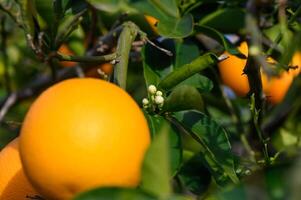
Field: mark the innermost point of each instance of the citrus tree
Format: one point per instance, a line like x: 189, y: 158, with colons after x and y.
x: 149, y: 99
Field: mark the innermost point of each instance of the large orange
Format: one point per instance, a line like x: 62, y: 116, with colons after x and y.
x: 80, y: 134
x: 64, y: 49
x: 13, y: 183
x: 275, y: 88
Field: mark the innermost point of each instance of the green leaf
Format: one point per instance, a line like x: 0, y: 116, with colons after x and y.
x: 176, y: 27
x: 171, y: 24
x: 114, y: 194
x: 175, y: 151
x: 194, y: 175
x: 216, y: 146
x: 200, y: 82
x: 150, y: 76
x: 106, y: 5
x: 45, y: 10
x: 169, y: 7
x: 184, y: 97
x: 222, y: 20
x: 185, y: 53
x: 160, y: 9
x: 156, y: 169
x: 219, y: 37
x: 157, y: 61
x: 187, y: 70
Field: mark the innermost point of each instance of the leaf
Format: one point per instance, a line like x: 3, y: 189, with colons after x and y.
x: 150, y: 76
x: 114, y: 194
x: 106, y: 5
x: 169, y: 7
x: 160, y: 9
x: 157, y: 61
x: 219, y: 37
x: 176, y: 28
x: 187, y: 70
x: 222, y: 20
x: 155, y: 170
x: 45, y: 9
x: 184, y: 97
x: 194, y: 175
x: 186, y: 52
x: 170, y: 23
x: 200, y: 82
x: 215, y: 142
x: 175, y: 150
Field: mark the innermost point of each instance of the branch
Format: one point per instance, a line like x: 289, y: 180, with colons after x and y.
x: 124, y: 45
x: 32, y: 89
x: 85, y: 59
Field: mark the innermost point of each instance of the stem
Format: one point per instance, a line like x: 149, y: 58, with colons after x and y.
x: 236, y: 120
x: 85, y: 59
x: 5, y: 56
x: 187, y: 70
x: 124, y: 44
x: 255, y: 117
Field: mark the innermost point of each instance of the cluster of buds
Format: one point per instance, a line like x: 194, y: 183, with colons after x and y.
x: 155, y: 98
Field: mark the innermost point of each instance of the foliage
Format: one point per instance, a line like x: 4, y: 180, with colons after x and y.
x: 207, y: 143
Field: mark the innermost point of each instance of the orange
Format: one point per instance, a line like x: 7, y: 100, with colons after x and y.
x: 64, y: 49
x: 107, y: 68
x: 296, y: 61
x: 13, y: 183
x: 231, y: 71
x: 80, y: 134
x: 152, y: 22
x: 275, y: 88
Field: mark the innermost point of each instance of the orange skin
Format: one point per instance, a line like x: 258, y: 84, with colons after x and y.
x: 64, y: 49
x: 296, y: 61
x: 13, y: 183
x: 107, y: 68
x: 231, y: 71
x: 275, y: 88
x: 80, y: 134
x: 152, y: 22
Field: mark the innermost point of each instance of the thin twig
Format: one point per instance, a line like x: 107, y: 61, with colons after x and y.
x: 9, y: 102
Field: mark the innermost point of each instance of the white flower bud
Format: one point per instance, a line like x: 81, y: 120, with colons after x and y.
x: 159, y: 93
x: 152, y: 89
x: 159, y: 100
x: 145, y: 101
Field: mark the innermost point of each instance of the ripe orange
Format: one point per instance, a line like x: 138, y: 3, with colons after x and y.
x: 80, y: 134
x: 275, y: 88
x: 231, y: 71
x: 64, y: 49
x: 296, y: 61
x: 152, y: 22
x: 107, y: 68
x: 13, y: 183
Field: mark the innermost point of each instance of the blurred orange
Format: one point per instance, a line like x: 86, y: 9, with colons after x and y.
x: 275, y: 88
x: 64, y: 49
x: 107, y: 68
x: 152, y: 22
